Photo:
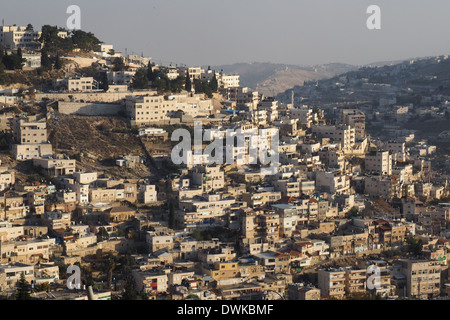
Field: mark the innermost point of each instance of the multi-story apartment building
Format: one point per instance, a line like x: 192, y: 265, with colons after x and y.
x: 195, y: 73
x: 147, y: 193
x: 115, y: 192
x: 221, y: 254
x: 288, y: 187
x: 80, y: 84
x: 56, y: 167
x: 378, y: 278
x: 155, y: 109
x: 209, y: 178
x: 241, y: 95
x: 397, y: 149
x: 228, y: 81
x: 356, y: 119
x: 9, y: 232
x: 7, y: 178
x: 13, y: 206
x: 288, y: 218
x: 222, y: 272
x: 85, y: 177
x: 260, y: 199
x: 151, y: 281
x: 28, y: 132
x: 379, y: 162
x: 14, y: 37
x: 336, y: 283
x: 56, y: 220
x: 381, y: 186
x: 31, y: 151
x: 12, y: 273
x: 208, y: 209
x: 343, y: 134
x: 332, y: 182
x: 332, y: 158
x: 423, y: 277
x: 36, y: 200
x: 30, y: 139
x: 331, y: 283
x: 355, y: 280
x: 350, y: 243
x: 268, y: 224
x: 27, y: 251
x: 46, y: 273
x: 159, y: 242
x: 120, y: 77
x: 304, y: 114
x: 298, y: 291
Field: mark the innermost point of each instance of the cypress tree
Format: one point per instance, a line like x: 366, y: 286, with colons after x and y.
x: 45, y: 60
x: 187, y: 83
x: 3, y: 75
x: 58, y: 62
x: 23, y: 289
x: 213, y: 84
x: 150, y: 74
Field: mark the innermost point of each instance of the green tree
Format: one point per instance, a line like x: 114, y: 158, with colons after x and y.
x: 23, y: 291
x: 46, y: 63
x: 52, y: 42
x: 214, y: 84
x: 58, y: 62
x: 202, y: 86
x: 130, y: 291
x: 188, y: 84
x: 414, y: 246
x: 109, y: 267
x: 102, y: 234
x: 140, y: 80
x: 119, y: 64
x: 176, y: 85
x: 3, y: 75
x: 160, y: 84
x: 86, y: 41
x: 150, y: 74
x: 103, y: 81
x: 13, y: 61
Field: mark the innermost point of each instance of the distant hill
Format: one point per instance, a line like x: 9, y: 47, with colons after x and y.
x: 271, y: 78
x: 419, y: 75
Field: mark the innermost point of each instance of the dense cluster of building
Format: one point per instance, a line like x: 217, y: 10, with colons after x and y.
x: 340, y: 205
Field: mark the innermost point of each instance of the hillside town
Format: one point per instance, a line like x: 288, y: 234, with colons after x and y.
x: 358, y: 208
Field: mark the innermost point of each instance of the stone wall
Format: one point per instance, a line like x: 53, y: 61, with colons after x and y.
x: 109, y: 97
x: 90, y: 109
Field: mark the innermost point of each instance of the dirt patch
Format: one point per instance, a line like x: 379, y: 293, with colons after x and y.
x: 96, y: 142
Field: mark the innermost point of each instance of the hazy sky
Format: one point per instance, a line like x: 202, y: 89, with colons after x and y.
x: 211, y: 32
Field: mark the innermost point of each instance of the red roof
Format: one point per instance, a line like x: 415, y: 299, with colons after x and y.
x: 288, y: 199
